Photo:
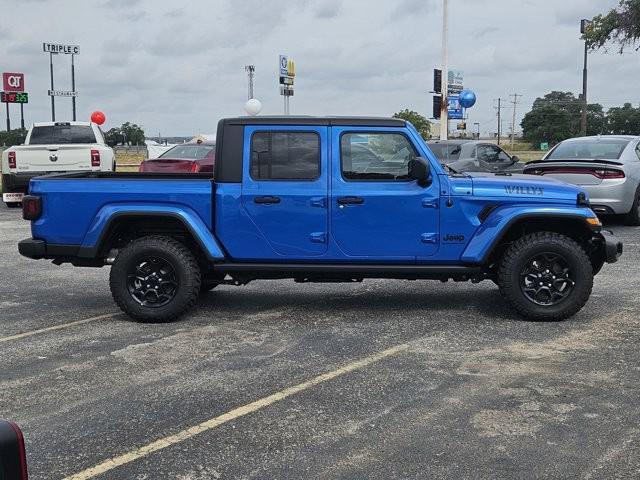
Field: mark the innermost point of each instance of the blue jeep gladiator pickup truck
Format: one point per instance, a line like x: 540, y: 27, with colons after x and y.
x: 320, y: 200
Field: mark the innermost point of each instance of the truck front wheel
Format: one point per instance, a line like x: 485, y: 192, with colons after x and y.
x: 155, y: 279
x: 545, y: 276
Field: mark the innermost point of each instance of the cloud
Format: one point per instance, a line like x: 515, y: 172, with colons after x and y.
x: 328, y: 8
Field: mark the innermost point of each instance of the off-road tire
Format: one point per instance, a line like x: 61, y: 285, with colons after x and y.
x: 521, y: 252
x: 633, y: 217
x: 181, y: 260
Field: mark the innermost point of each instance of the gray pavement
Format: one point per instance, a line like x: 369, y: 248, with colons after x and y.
x: 474, y: 392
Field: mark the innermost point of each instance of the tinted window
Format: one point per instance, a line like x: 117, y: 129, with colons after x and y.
x: 188, y: 152
x: 589, y: 149
x: 442, y: 151
x: 285, y: 156
x: 376, y: 156
x: 62, y: 134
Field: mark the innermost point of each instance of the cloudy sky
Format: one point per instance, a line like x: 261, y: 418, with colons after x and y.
x: 177, y: 67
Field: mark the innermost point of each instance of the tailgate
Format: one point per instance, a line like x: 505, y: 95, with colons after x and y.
x: 53, y: 158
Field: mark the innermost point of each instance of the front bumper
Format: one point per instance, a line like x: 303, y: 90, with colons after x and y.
x: 612, y: 246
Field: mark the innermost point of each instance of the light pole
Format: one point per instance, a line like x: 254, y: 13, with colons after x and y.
x: 444, y: 108
x: 477, y: 124
x: 584, y: 26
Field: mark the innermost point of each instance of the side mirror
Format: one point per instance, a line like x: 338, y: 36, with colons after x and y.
x: 419, y: 170
x: 13, y: 457
x: 515, y: 159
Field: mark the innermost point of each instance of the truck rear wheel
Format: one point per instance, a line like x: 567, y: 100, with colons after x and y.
x: 155, y: 279
x: 546, y: 276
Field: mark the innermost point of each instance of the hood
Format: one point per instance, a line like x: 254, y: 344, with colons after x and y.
x: 523, y: 186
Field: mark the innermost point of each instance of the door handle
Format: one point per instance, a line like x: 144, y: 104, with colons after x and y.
x: 350, y: 201
x: 268, y: 200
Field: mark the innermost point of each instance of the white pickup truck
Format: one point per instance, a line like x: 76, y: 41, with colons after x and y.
x: 53, y: 147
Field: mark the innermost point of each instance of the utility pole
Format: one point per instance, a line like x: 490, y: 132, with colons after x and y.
x: 477, y: 124
x: 584, y: 26
x: 499, y: 108
x: 251, y: 70
x: 513, y: 122
x: 444, y: 108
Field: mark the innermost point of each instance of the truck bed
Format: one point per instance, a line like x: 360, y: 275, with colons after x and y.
x: 75, y: 200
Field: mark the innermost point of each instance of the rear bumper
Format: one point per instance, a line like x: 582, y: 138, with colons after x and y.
x: 611, y: 196
x: 37, y: 249
x: 612, y: 246
x: 32, y: 248
x: 17, y: 182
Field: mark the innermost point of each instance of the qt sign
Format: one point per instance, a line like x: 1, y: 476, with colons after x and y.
x: 13, y: 82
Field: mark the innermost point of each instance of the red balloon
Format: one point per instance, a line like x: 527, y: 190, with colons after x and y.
x: 98, y: 117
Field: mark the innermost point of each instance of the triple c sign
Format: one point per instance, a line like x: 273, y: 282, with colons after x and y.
x: 13, y: 82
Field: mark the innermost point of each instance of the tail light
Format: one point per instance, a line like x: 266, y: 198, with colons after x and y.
x: 95, y: 158
x: 195, y: 168
x: 141, y: 167
x: 605, y: 174
x: 12, y: 160
x: 31, y: 207
x: 13, y: 456
x: 602, y: 173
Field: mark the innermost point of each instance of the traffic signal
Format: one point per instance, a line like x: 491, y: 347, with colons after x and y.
x: 437, y: 80
x: 437, y: 106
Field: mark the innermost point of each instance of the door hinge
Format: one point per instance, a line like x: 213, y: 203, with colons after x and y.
x: 429, y: 238
x: 319, y: 202
x: 428, y: 203
x: 318, y: 237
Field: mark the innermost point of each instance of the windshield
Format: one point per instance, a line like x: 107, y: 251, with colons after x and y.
x: 62, y: 134
x: 443, y: 151
x: 188, y: 152
x: 589, y: 149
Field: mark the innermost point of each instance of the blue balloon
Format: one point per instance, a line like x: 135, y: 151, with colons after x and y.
x: 467, y: 98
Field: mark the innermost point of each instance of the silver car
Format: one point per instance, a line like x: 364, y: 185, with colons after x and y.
x: 607, y: 167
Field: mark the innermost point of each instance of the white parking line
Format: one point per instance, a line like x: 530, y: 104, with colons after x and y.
x: 231, y: 415
x: 55, y: 327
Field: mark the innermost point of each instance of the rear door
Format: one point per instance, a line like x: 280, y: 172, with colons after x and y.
x: 285, y: 188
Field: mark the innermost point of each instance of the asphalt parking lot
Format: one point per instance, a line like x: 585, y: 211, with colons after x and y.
x: 384, y: 379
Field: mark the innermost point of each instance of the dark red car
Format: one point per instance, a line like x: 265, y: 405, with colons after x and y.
x: 185, y: 158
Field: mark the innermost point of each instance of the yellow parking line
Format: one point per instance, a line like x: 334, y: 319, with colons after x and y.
x: 231, y: 415
x: 55, y: 327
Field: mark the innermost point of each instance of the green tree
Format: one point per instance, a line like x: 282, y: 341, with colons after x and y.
x: 419, y: 121
x: 620, y: 25
x: 556, y: 117
x: 134, y: 135
x: 623, y: 120
x: 113, y: 136
x: 13, y: 137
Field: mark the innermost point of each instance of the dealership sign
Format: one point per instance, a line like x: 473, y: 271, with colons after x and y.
x: 13, y: 82
x: 60, y: 48
x: 62, y: 93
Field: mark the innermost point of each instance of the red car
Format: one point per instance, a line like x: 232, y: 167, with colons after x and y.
x: 185, y: 158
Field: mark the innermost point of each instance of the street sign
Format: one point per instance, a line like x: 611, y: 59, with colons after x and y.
x: 284, y: 65
x: 286, y: 91
x: 62, y: 93
x: 544, y: 146
x: 60, y: 48
x: 13, y: 82
x: 14, y: 97
x: 455, y: 81
x: 456, y: 112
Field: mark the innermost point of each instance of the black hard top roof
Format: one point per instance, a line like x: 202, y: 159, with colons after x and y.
x: 322, y: 121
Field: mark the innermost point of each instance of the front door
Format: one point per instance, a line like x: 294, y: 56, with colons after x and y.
x: 377, y: 212
x: 284, y: 191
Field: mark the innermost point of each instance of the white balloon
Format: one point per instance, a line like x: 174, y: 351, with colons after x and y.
x: 253, y: 107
